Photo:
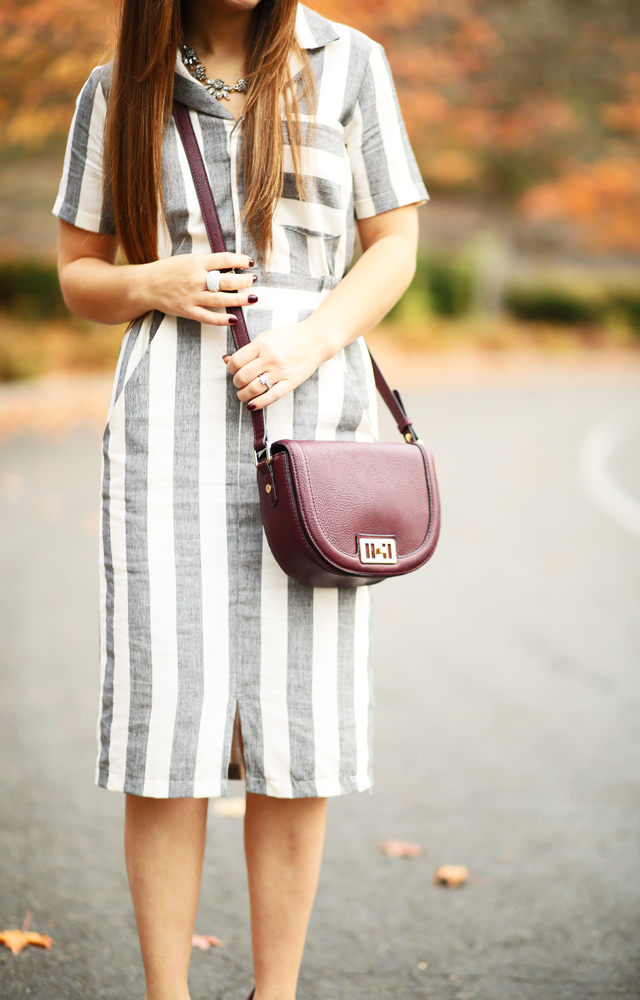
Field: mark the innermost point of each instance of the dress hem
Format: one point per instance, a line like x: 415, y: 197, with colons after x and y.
x: 327, y: 787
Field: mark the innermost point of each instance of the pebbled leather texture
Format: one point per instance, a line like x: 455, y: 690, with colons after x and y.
x: 361, y: 489
x: 329, y: 492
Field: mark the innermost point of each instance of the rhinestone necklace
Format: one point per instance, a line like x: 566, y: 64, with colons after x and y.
x: 217, y: 88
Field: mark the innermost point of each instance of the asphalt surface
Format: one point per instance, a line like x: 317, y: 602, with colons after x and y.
x: 507, y: 736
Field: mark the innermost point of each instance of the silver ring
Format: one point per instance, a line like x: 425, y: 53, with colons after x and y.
x: 213, y: 281
x: 265, y: 381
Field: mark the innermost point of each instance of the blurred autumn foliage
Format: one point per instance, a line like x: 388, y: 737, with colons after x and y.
x: 532, y: 103
x: 49, y: 47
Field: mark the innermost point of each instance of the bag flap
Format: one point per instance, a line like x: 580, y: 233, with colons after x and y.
x: 349, y: 488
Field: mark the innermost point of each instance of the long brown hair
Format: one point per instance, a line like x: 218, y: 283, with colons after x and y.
x: 139, y: 106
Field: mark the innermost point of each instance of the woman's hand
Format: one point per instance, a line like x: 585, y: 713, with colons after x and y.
x: 291, y: 354
x: 94, y: 287
x: 178, y: 286
x: 287, y: 356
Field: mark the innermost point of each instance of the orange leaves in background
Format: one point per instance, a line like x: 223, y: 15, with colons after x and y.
x: 374, y: 16
x: 624, y: 115
x: 451, y: 64
x: 602, y: 199
x: 49, y: 48
x: 498, y: 95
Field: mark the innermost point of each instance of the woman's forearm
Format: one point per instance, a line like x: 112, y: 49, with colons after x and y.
x: 94, y: 287
x: 104, y: 292
x: 365, y: 295
x: 361, y: 299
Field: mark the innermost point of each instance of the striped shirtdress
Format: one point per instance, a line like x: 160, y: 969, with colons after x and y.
x: 197, y: 618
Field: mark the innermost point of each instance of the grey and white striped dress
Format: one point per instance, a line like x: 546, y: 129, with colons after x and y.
x: 196, y: 616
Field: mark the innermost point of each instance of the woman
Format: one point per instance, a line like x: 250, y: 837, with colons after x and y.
x: 198, y: 621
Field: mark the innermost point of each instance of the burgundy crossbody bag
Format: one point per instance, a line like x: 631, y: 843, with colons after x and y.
x: 335, y: 513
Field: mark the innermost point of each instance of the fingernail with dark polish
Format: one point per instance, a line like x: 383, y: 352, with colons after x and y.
x: 252, y: 299
x: 252, y: 263
x: 255, y: 278
x: 232, y: 320
x: 225, y: 357
x: 251, y: 406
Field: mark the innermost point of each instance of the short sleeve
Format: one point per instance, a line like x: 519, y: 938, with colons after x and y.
x: 80, y: 198
x: 385, y: 172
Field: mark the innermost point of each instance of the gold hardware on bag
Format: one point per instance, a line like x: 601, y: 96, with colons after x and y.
x: 377, y: 550
x: 268, y: 488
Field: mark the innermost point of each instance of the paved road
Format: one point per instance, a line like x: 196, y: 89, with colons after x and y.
x: 507, y: 736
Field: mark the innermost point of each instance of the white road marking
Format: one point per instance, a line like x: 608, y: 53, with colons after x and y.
x: 597, y: 448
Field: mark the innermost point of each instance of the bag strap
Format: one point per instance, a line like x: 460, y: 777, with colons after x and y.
x: 241, y: 337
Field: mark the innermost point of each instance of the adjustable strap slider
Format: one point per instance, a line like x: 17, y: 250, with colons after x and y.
x: 262, y: 454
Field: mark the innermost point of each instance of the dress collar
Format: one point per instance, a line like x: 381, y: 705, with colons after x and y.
x: 312, y: 32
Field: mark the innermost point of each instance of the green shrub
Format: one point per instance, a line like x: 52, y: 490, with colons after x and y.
x: 18, y: 360
x: 442, y: 284
x: 553, y: 304
x: 31, y: 290
x: 451, y: 284
x: 627, y: 303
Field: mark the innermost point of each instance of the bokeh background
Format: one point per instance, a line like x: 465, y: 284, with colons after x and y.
x: 525, y: 118
x: 507, y: 670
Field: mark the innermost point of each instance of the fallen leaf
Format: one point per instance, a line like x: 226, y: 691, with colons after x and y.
x: 204, y: 942
x: 400, y: 849
x: 17, y: 940
x: 451, y: 875
x: 230, y: 807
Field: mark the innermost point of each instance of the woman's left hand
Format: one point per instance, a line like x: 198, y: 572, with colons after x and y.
x: 287, y: 356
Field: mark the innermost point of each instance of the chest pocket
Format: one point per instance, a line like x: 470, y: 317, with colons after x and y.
x: 312, y: 252
x: 314, y: 229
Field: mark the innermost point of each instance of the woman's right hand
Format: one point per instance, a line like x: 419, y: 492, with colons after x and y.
x: 95, y: 287
x: 178, y: 286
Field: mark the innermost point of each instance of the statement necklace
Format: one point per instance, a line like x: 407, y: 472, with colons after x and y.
x: 217, y: 88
